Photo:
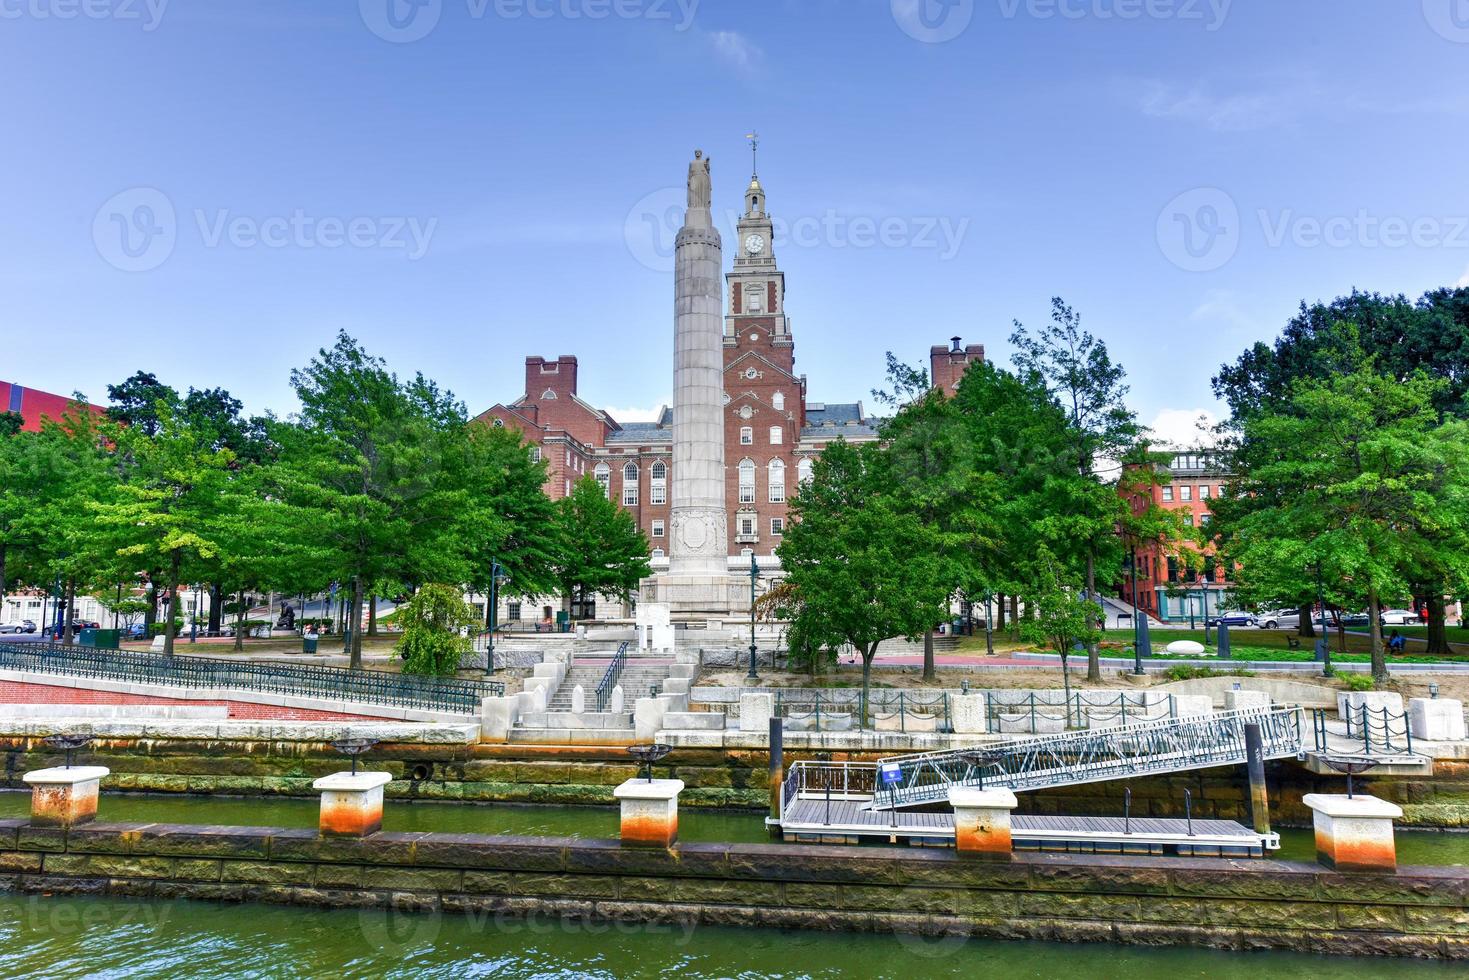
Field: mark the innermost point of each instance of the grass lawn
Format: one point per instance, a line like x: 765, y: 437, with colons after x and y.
x: 1275, y: 642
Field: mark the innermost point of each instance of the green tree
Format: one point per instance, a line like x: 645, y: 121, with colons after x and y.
x: 1060, y: 617
x: 365, y: 459
x: 140, y: 402
x: 1364, y: 481
x: 601, y: 550
x: 166, y: 511
x: 436, y: 623
x: 1081, y: 377
x: 865, y: 563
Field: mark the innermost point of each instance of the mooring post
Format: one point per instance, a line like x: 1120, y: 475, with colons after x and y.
x: 1255, y: 763
x: 777, y: 773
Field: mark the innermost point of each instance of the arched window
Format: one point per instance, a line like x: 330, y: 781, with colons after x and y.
x: 803, y: 470
x: 603, y: 475
x: 630, y: 485
x: 777, y: 480
x: 775, y: 435
x: 658, y: 490
x: 747, y: 481
x: 778, y: 401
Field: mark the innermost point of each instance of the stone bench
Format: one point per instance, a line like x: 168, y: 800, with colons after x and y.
x: 694, y: 721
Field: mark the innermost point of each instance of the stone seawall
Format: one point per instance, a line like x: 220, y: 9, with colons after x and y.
x: 458, y: 769
x: 1422, y: 912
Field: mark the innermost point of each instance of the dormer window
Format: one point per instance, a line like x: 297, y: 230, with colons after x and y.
x: 548, y: 395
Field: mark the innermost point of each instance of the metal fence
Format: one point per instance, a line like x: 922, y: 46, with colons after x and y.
x: 611, y: 676
x: 333, y: 683
x: 1378, y: 729
x: 817, y: 709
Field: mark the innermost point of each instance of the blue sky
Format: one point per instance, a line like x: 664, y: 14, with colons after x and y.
x: 210, y: 189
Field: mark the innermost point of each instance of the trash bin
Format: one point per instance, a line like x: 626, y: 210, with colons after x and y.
x: 308, y: 643
x: 106, y: 639
x: 88, y: 638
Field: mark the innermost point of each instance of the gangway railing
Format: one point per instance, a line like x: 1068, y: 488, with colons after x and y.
x: 336, y: 683
x: 1066, y: 759
x: 610, y: 677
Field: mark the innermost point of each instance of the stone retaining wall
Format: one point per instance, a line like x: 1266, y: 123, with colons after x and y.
x: 1421, y: 912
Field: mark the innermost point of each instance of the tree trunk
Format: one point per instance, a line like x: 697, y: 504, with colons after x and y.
x: 355, y: 624
x: 1000, y: 613
x: 1306, y: 627
x: 372, y: 616
x: 1374, y: 625
x: 216, y: 614
x: 2, y: 576
x: 1093, y: 653
x: 173, y: 601
x: 1015, y: 615
x: 1438, y: 634
x: 928, y: 670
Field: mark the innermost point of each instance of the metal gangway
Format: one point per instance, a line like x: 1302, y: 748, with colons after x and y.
x: 1071, y: 758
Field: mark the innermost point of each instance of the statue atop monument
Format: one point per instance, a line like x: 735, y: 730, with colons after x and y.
x: 701, y: 191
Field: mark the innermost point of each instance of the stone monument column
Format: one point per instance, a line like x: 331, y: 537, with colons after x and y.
x: 699, y: 533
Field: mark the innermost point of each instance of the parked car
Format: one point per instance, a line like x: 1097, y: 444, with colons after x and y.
x: 1276, y: 619
x: 1234, y: 619
x: 137, y: 631
x: 25, y: 626
x: 1400, y: 617
x: 1355, y: 619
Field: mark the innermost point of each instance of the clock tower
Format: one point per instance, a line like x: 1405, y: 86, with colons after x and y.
x: 756, y: 285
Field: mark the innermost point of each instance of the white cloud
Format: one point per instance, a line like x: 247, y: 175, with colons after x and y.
x: 1239, y: 112
x: 1218, y: 305
x: 736, y: 50
x: 1183, y: 428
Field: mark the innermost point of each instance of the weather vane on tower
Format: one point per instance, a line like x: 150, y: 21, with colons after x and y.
x: 754, y: 139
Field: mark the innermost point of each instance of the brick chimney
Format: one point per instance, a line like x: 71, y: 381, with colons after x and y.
x: 558, y: 376
x: 948, y: 364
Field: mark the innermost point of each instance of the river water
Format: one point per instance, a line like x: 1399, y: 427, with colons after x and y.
x: 44, y: 936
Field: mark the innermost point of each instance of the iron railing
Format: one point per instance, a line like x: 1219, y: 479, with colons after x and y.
x: 826, y: 710
x: 611, y: 676
x: 334, y: 683
x: 1070, y: 758
x: 839, y: 780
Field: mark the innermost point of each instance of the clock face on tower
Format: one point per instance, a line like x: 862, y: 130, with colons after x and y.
x: 754, y: 244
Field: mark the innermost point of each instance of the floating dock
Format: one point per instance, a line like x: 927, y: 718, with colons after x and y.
x: 849, y: 820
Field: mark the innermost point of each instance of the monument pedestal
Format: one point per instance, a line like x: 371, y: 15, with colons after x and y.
x: 697, y: 597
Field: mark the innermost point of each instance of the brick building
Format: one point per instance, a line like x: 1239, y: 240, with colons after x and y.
x: 1166, y: 590
x: 772, y: 431
x: 33, y: 405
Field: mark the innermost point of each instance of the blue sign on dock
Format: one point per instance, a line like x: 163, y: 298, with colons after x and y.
x: 891, y: 773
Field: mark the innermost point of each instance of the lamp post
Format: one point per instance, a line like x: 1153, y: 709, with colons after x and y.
x: 497, y: 575
x: 194, y: 619
x: 1323, y: 646
x: 989, y: 636
x: 1204, y: 595
x: 754, y: 571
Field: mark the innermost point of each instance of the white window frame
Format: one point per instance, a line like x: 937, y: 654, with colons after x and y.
x: 778, y: 401
x: 777, y: 526
x: 776, y: 478
x: 1186, y: 493
x: 602, y: 473
x: 1167, y: 494
x: 747, y: 489
x: 747, y: 435
x: 657, y: 530
x: 777, y: 435
x: 804, y: 467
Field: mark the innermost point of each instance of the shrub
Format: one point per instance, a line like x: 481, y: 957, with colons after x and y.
x: 435, y: 630
x: 1188, y: 672
x: 1359, y: 682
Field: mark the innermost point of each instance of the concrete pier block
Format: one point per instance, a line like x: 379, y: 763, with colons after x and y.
x: 351, y: 803
x: 1373, y: 701
x: 498, y: 716
x: 756, y: 710
x: 1354, y: 833
x: 1246, y: 700
x: 617, y: 700
x: 967, y: 713
x: 1436, y: 719
x: 1192, y: 704
x: 647, y: 717
x: 982, y: 822
x: 649, y: 811
x: 578, y: 700
x: 64, y: 797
